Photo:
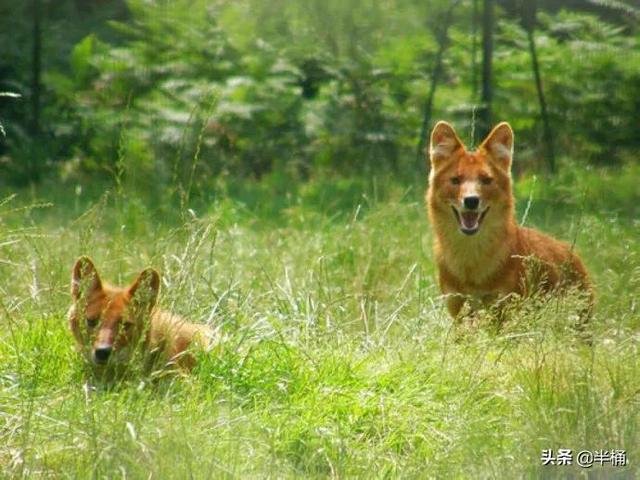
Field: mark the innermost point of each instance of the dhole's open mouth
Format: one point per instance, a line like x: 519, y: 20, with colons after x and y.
x: 469, y: 220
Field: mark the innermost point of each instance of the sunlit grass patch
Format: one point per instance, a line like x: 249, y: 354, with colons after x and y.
x: 337, y: 359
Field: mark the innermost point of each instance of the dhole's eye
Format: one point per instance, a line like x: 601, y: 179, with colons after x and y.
x: 486, y: 180
x: 455, y: 180
x: 92, y: 322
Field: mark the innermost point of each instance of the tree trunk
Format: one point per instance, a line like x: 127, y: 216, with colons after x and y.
x: 529, y: 19
x: 36, y: 68
x: 474, y: 52
x: 474, y: 68
x: 487, y: 60
x: 443, y: 41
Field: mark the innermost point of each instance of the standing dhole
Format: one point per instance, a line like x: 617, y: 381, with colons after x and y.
x: 109, y: 323
x: 481, y: 252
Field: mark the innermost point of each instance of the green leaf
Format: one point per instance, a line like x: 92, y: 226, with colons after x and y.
x: 81, y: 57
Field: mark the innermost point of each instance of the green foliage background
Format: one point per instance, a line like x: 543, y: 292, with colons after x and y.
x: 303, y: 88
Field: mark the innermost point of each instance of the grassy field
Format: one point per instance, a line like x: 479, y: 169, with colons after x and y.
x: 339, y: 358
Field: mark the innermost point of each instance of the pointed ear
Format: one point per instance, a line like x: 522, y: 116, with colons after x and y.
x: 144, y: 289
x: 444, y: 141
x: 499, y: 145
x: 84, y: 278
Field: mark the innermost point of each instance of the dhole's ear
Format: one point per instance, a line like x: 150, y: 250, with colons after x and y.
x: 499, y: 145
x: 144, y: 289
x: 444, y: 141
x: 84, y: 278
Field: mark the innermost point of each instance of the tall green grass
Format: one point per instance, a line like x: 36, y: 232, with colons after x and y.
x: 339, y: 359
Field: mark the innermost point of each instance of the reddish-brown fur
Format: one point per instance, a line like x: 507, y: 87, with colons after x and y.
x: 104, y: 318
x: 494, y: 258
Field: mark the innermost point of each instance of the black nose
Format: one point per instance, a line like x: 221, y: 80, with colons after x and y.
x: 102, y: 354
x: 471, y: 202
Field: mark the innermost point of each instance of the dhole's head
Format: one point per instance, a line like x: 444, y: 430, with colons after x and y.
x: 468, y: 190
x: 108, y: 322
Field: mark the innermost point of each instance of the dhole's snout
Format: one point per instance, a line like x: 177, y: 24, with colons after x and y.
x: 101, y: 353
x: 471, y: 202
x: 470, y: 213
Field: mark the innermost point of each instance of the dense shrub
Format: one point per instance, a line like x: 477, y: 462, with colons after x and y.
x: 185, y: 92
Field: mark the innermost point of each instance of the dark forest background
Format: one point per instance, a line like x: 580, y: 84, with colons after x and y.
x: 190, y: 92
